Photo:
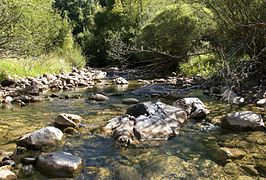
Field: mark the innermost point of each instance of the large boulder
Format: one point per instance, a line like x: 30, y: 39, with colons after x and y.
x: 67, y: 120
x: 193, y: 106
x: 59, y: 164
x: 45, y: 137
x: 7, y: 175
x: 146, y: 121
x: 244, y: 120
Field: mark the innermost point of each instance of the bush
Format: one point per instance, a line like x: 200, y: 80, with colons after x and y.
x: 201, y: 65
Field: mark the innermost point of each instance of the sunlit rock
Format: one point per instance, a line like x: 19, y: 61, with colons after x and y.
x: 244, y: 120
x: 120, y: 80
x: 146, y: 121
x: 99, y: 97
x: 7, y: 175
x: 59, y: 164
x: 193, y: 106
x: 67, y: 120
x: 45, y: 137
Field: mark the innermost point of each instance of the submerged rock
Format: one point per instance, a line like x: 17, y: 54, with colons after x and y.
x: 59, y: 164
x: 48, y: 136
x: 130, y: 101
x: 99, y: 97
x: 65, y: 120
x: 244, y: 120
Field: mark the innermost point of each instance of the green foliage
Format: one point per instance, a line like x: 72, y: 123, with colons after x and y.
x: 33, y: 67
x: 201, y: 65
x: 241, y: 27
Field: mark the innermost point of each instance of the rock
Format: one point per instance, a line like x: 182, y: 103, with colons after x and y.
x: 250, y: 169
x: 28, y: 160
x: 104, y: 173
x: 120, y: 80
x: 261, y: 102
x: 7, y: 175
x: 99, y: 97
x: 49, y: 77
x: 8, y: 82
x: 67, y: 120
x: 233, y: 153
x: 231, y: 97
x: 159, y: 80
x: 99, y: 75
x: 130, y: 101
x: 37, y: 84
x: 244, y: 120
x: 48, y: 136
x: 146, y: 121
x: 127, y: 172
x: 193, y: 106
x: 25, y: 171
x: 59, y: 164
x: 8, y: 100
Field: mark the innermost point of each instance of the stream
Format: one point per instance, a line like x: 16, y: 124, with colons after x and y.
x: 190, y: 155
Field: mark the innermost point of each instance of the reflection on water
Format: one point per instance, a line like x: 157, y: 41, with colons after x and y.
x: 190, y: 155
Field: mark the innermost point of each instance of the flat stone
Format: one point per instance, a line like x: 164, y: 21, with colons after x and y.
x: 130, y: 101
x: 45, y: 137
x: 59, y: 164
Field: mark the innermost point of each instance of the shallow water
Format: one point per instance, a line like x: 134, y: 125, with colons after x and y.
x: 190, y: 155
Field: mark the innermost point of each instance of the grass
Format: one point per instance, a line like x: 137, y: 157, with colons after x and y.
x: 33, y: 67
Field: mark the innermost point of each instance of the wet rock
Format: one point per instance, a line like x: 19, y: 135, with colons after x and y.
x: 7, y: 175
x: 159, y: 80
x: 166, y: 167
x: 244, y: 120
x: 8, y: 162
x: 104, y: 173
x: 70, y: 130
x: 120, y: 80
x: 130, y: 101
x: 28, y: 160
x: 67, y: 120
x: 193, y: 106
x: 146, y: 121
x: 25, y: 171
x: 233, y: 153
x: 127, y: 172
x: 59, y: 164
x: 45, y: 137
x: 261, y: 102
x: 223, y: 153
x: 250, y: 169
x: 99, y: 97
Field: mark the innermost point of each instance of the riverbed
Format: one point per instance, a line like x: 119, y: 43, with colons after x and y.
x: 190, y: 155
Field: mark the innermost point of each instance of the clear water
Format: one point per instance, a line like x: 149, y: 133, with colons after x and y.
x: 190, y: 155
